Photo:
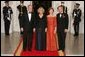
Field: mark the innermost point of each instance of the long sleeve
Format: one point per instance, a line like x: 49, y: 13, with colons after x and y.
x: 45, y: 22
x: 4, y: 13
x: 22, y: 20
x: 35, y: 20
x: 11, y: 12
x: 66, y: 21
x: 55, y: 21
x: 80, y: 12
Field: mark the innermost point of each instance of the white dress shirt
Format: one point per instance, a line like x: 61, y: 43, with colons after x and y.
x: 60, y: 15
x: 9, y: 15
x: 29, y: 15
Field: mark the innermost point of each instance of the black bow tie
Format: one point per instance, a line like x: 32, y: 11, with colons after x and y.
x: 29, y: 12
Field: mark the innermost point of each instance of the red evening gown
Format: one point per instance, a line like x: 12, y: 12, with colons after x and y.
x: 51, y: 36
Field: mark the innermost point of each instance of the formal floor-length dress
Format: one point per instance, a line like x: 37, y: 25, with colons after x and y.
x: 51, y: 36
x: 40, y: 25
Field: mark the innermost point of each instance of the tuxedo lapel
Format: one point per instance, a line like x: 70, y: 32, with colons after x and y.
x: 31, y: 16
x: 27, y: 16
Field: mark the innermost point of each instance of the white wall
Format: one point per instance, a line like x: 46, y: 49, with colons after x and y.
x: 2, y: 25
x: 55, y: 4
x: 70, y: 6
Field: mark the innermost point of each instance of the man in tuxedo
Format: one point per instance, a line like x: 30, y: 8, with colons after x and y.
x: 77, y: 18
x: 62, y: 28
x: 27, y: 28
x: 7, y: 11
x: 22, y: 9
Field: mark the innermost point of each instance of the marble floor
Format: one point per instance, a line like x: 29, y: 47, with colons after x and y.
x: 9, y: 43
x: 74, y: 45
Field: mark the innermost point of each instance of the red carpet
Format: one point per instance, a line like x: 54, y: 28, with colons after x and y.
x: 38, y: 53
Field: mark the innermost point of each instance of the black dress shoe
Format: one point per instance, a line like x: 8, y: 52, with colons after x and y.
x: 7, y: 34
x: 74, y: 34
x: 21, y: 33
x: 77, y: 34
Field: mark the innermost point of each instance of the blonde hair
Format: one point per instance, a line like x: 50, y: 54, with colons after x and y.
x: 41, y: 8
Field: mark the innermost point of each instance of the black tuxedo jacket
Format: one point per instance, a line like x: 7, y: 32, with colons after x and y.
x: 62, y: 22
x: 26, y: 24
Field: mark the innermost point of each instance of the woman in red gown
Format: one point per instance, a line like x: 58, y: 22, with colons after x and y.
x: 51, y: 31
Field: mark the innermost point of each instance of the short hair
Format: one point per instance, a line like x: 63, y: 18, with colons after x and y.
x: 41, y: 8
